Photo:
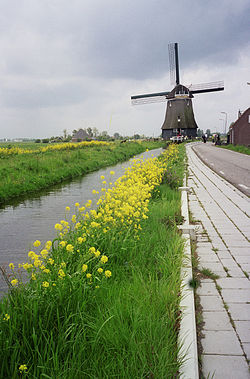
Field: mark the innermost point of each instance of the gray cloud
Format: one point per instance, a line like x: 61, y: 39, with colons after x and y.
x: 84, y: 58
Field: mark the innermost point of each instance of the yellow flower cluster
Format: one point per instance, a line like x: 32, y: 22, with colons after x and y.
x: 52, y: 147
x: 76, y: 254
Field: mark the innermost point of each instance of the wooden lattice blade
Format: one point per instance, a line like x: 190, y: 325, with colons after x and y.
x: 206, y: 87
x: 149, y: 98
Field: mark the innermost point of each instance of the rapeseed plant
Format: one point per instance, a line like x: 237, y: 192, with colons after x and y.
x: 80, y: 259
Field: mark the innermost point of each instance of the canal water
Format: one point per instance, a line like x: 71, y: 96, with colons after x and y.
x: 34, y: 218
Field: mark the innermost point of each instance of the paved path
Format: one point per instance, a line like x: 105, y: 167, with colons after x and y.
x: 232, y: 166
x: 223, y: 246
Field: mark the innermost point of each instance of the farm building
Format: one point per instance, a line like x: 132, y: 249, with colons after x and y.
x: 239, y: 132
x: 80, y: 135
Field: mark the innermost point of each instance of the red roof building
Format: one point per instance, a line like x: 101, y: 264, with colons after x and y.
x: 239, y: 132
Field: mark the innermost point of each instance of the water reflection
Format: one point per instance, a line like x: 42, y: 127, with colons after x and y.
x: 35, y: 218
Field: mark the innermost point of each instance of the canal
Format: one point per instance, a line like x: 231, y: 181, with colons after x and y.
x: 21, y: 224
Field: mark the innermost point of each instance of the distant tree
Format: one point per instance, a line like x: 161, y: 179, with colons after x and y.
x: 45, y: 140
x: 90, y: 132
x: 117, y: 135
x: 104, y: 136
x: 37, y: 140
x: 64, y: 133
x: 200, y: 132
x: 74, y: 131
x: 137, y: 136
x: 208, y: 132
x: 95, y: 132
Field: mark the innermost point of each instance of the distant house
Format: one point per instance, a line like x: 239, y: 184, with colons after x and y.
x: 80, y: 135
x: 239, y: 132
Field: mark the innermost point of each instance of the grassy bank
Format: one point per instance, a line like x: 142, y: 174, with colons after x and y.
x: 23, y: 171
x: 103, y: 299
x: 237, y: 148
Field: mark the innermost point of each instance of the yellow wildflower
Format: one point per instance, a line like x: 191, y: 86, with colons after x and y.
x: 108, y: 274
x: 112, y: 173
x: 6, y: 317
x: 67, y: 209
x: 58, y: 227
x: 11, y: 266
x: 51, y: 261
x: 80, y: 240
x: 61, y: 273
x: 92, y: 249
x: 14, y: 282
x: 45, y: 284
x: 84, y: 267
x: 62, y: 243
x: 37, y: 243
x: 77, y: 205
x: 70, y: 248
x: 44, y: 253
x: 97, y: 253
x: 48, y: 245
x: 33, y: 276
x: 77, y: 225
x: 23, y: 368
x: 88, y: 276
x: 100, y: 270
x: 104, y: 259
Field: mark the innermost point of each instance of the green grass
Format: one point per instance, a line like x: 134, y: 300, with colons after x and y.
x: 27, y: 173
x: 238, y: 148
x: 127, y: 328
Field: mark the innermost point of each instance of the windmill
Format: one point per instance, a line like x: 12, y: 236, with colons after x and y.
x: 179, y: 118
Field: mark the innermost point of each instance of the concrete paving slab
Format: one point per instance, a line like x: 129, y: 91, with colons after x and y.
x: 243, y: 259
x: 213, y: 266
x: 211, y: 303
x: 229, y: 263
x: 236, y: 243
x: 222, y: 366
x: 221, y: 342
x: 245, y: 267
x: 246, y: 348
x: 239, y: 251
x: 236, y: 295
x: 215, y: 320
x: 205, y: 258
x: 207, y: 289
x: 243, y: 330
x: 236, y: 273
x: 233, y: 283
x: 223, y: 254
x: 239, y: 311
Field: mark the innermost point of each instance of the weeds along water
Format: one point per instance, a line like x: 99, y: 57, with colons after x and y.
x: 23, y: 171
x: 103, y: 297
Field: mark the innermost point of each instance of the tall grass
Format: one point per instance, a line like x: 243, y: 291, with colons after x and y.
x: 122, y: 322
x: 238, y: 148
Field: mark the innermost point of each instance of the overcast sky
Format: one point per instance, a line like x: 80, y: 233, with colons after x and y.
x: 74, y: 64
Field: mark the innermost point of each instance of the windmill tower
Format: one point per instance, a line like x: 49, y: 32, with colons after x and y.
x: 179, y: 118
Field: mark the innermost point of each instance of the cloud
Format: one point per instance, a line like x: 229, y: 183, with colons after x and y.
x: 74, y: 64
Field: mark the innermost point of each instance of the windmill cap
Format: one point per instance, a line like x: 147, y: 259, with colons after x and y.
x: 179, y: 91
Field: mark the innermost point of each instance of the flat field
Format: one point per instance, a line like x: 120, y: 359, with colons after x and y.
x: 28, y: 167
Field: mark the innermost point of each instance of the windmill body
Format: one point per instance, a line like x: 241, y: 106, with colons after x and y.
x: 179, y: 118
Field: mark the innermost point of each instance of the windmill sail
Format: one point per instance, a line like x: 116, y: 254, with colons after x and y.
x: 206, y: 87
x: 174, y: 63
x: 149, y: 98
